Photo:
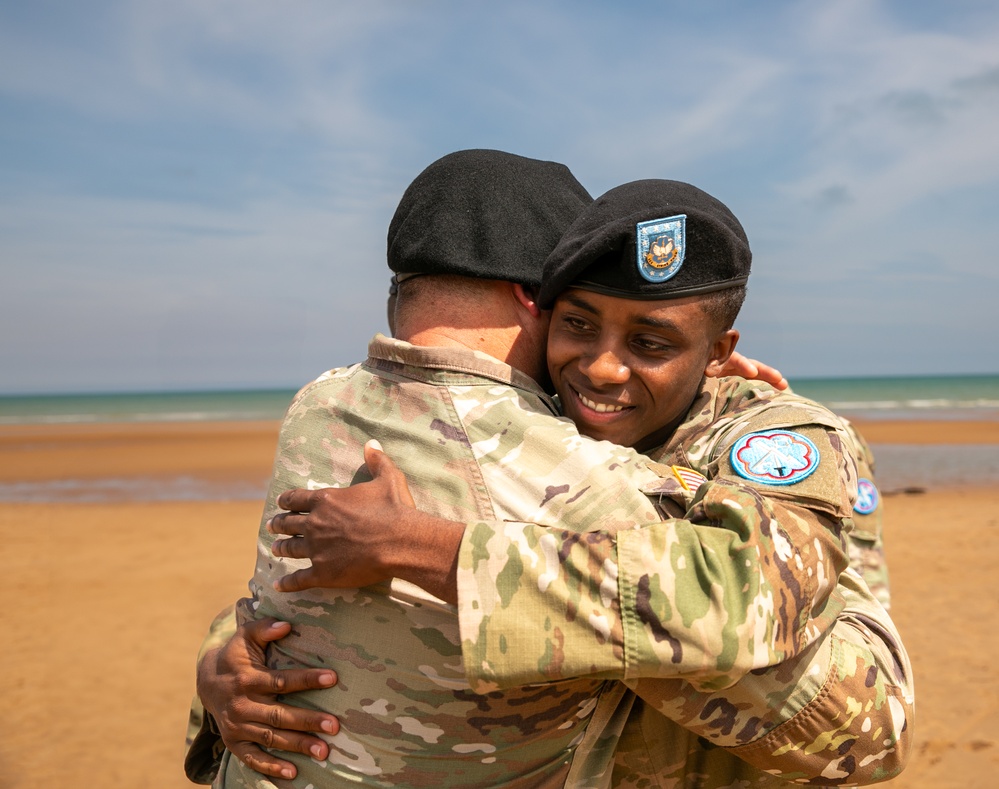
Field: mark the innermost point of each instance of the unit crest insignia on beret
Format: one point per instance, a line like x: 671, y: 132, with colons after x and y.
x: 774, y: 457
x: 867, y: 497
x: 661, y: 245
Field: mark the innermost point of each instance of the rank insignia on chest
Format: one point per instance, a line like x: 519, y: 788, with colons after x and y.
x: 661, y: 245
x: 774, y: 457
x: 867, y: 497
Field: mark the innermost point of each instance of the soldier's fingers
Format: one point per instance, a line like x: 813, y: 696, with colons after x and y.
x: 378, y: 463
x: 278, y: 727
x: 296, y: 742
x: 262, y: 631
x: 293, y: 680
x: 750, y: 367
x: 290, y: 548
x: 279, y: 724
x: 262, y: 762
x: 290, y: 523
x: 296, y: 500
x: 297, y: 581
x: 770, y: 375
x: 381, y: 465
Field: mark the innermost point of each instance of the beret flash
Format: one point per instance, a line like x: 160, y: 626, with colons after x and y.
x: 483, y: 213
x: 651, y: 239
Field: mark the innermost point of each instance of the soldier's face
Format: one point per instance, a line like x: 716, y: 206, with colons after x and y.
x: 626, y: 370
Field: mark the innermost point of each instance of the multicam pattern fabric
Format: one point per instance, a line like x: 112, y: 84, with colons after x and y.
x: 653, y: 750
x: 746, y: 578
x: 866, y: 540
x: 684, y: 597
x: 476, y: 440
x: 838, y: 714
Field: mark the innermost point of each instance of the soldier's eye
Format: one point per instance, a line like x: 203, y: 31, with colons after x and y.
x: 648, y: 345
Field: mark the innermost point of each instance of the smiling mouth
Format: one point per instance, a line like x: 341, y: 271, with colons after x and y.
x: 600, y: 408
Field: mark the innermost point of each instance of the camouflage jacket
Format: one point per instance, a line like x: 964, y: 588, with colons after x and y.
x: 478, y: 417
x: 685, y: 598
x: 477, y: 440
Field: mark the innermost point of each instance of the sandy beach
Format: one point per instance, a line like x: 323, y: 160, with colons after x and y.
x: 110, y: 599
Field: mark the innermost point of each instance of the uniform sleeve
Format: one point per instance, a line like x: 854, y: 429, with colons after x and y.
x: 866, y: 540
x: 745, y: 580
x: 867, y: 556
x: 834, y: 707
x: 841, y: 711
x: 204, y: 746
x: 739, y: 584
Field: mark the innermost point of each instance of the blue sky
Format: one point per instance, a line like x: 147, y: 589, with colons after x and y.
x: 195, y: 194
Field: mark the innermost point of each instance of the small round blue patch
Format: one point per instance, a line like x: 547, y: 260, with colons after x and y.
x: 774, y: 457
x: 868, y: 497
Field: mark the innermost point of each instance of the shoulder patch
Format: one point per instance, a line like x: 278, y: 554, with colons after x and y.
x: 774, y: 457
x: 662, y: 244
x: 867, y: 497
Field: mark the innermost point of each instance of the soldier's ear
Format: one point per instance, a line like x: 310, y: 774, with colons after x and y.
x: 721, y: 349
x: 527, y: 297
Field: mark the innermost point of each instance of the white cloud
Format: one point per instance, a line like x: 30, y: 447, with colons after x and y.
x: 898, y: 114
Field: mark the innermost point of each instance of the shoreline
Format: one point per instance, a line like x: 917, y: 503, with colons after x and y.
x: 929, y: 431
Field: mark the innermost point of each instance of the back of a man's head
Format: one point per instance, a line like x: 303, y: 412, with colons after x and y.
x: 483, y: 214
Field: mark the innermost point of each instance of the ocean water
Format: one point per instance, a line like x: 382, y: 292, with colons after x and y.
x: 944, y: 397
x: 899, y: 466
x: 145, y: 407
x: 941, y: 397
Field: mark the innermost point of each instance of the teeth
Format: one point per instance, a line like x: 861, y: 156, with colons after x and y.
x: 600, y: 408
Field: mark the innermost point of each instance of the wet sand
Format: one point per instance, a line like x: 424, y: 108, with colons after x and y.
x: 109, y: 601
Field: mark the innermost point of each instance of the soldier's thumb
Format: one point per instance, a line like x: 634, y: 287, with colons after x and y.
x: 376, y: 460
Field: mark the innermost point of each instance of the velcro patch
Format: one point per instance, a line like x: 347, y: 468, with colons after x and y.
x: 774, y: 457
x: 867, y: 497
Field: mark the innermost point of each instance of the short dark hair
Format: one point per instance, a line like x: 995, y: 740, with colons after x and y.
x: 425, y: 291
x: 723, y: 306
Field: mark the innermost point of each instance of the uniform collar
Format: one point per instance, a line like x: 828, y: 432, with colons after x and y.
x: 450, y: 366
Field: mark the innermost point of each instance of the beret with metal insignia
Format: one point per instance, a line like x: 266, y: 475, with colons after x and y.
x: 483, y: 213
x: 651, y: 239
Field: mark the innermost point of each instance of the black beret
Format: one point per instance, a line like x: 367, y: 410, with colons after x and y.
x: 482, y: 213
x: 650, y: 239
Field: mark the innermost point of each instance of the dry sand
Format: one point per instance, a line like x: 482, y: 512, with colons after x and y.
x: 109, y: 602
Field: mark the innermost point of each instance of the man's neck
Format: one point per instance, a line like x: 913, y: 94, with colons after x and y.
x: 656, y: 444
x: 496, y: 322
x: 489, y: 341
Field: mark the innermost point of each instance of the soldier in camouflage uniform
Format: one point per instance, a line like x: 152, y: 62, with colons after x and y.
x: 713, y: 638
x: 728, y: 429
